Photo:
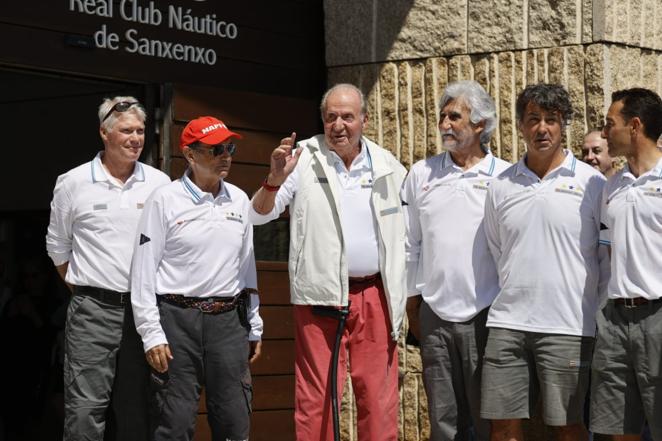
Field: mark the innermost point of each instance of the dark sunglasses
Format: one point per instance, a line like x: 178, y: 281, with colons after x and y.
x: 122, y: 106
x: 216, y: 150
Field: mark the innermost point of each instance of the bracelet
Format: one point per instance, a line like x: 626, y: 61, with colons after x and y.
x: 268, y: 187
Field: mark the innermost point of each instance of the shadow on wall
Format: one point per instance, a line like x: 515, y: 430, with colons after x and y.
x: 365, y: 31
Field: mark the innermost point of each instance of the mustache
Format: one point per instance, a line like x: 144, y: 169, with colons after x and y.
x: 450, y: 132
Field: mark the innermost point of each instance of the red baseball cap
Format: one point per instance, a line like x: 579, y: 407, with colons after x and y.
x: 206, y: 129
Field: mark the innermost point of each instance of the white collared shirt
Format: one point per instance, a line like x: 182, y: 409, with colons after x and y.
x: 631, y: 224
x: 93, y: 222
x: 448, y: 260
x: 543, y: 234
x: 192, y: 244
x: 356, y: 213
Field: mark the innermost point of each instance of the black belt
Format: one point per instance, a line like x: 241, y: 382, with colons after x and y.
x: 635, y: 302
x: 365, y: 280
x: 103, y: 295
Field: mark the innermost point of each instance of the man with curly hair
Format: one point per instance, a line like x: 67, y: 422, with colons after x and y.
x: 542, y: 218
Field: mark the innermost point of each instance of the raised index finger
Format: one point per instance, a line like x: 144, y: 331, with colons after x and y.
x: 289, y: 140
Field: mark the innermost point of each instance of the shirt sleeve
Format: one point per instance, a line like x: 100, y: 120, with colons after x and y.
x: 59, y: 234
x: 413, y: 238
x: 492, y: 225
x: 605, y: 236
x: 604, y: 262
x: 248, y: 277
x: 283, y: 199
x: 148, y: 251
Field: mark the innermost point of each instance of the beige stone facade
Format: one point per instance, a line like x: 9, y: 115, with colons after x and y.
x: 403, y: 53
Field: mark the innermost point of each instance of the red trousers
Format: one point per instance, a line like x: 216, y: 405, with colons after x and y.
x: 373, y: 360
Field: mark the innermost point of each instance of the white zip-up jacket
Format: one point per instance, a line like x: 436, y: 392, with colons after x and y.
x: 317, y: 260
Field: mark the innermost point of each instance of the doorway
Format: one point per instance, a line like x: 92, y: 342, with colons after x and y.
x: 49, y: 125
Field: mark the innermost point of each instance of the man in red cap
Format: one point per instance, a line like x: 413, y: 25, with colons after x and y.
x: 94, y: 214
x: 194, y: 293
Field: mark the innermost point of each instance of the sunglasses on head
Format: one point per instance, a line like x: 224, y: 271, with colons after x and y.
x: 216, y: 150
x: 122, y: 106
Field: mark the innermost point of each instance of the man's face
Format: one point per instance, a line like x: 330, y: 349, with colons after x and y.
x: 209, y: 167
x: 125, y: 140
x: 542, y: 130
x: 616, y: 131
x: 343, y: 121
x: 457, y: 131
x: 596, y: 153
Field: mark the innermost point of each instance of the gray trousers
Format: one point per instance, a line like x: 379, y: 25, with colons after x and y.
x: 92, y: 338
x: 210, y: 350
x: 106, y: 375
x: 626, y: 385
x: 452, y: 356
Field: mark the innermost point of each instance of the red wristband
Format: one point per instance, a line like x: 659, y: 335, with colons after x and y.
x: 268, y: 187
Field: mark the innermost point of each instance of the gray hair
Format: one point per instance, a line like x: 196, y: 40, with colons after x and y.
x: 346, y: 86
x: 108, y: 104
x: 480, y: 103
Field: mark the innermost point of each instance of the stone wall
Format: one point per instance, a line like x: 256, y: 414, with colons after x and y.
x: 402, y: 95
x: 402, y: 54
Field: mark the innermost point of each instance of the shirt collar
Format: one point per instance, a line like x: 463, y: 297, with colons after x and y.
x: 198, y: 195
x: 362, y: 160
x: 485, y: 166
x: 99, y: 173
x: 569, y: 164
x: 655, y: 172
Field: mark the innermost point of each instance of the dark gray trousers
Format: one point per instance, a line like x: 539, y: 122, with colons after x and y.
x: 209, y: 350
x: 129, y: 418
x: 106, y: 376
x: 452, y: 355
x: 92, y: 339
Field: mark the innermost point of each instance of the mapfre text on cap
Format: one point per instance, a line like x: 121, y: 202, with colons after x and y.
x: 212, y: 128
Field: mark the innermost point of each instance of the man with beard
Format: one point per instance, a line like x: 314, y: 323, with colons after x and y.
x: 542, y: 222
x: 627, y: 364
x: 451, y: 276
x: 194, y: 290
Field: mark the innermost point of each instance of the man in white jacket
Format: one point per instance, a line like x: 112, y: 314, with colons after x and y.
x: 347, y: 236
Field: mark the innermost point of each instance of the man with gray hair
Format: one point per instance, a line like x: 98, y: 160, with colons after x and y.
x: 347, y: 257
x: 94, y: 217
x: 451, y: 277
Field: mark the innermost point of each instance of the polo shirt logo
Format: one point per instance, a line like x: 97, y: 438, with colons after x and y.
x: 100, y: 207
x: 144, y: 239
x: 481, y: 185
x: 569, y: 189
x: 653, y: 191
x: 235, y: 217
x: 366, y: 183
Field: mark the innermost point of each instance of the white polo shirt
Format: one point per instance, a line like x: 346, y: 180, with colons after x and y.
x: 543, y: 234
x: 631, y: 224
x: 448, y: 260
x: 93, y: 222
x: 192, y: 244
x: 356, y: 215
